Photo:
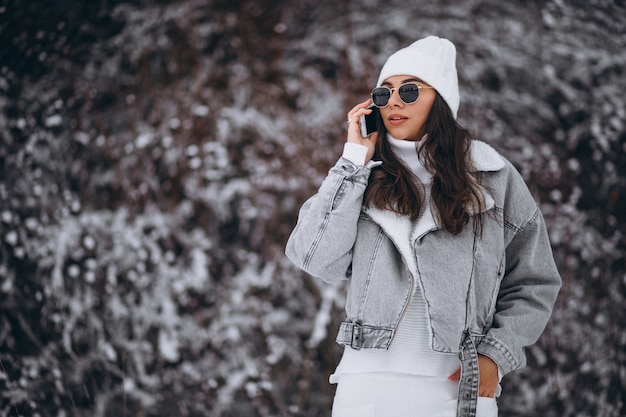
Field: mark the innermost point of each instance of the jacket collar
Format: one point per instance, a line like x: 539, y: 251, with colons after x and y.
x: 404, y: 233
x: 484, y: 157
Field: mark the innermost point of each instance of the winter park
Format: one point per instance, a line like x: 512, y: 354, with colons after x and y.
x: 154, y: 156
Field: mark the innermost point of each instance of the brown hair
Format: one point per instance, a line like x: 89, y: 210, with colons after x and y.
x: 446, y: 153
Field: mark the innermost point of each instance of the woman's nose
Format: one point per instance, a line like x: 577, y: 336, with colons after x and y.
x: 395, y: 100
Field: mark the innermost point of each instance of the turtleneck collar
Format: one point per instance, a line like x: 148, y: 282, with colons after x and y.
x: 406, y: 150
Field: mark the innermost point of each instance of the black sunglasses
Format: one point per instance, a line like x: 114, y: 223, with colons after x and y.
x: 409, y: 93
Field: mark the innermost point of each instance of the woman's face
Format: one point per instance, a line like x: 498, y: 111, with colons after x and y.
x: 406, y: 121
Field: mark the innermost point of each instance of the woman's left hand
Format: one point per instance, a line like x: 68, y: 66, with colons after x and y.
x: 489, y: 378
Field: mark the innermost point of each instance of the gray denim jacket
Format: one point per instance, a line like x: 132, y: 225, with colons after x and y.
x: 491, y: 294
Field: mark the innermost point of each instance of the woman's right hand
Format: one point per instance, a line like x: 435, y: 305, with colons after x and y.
x: 354, y: 129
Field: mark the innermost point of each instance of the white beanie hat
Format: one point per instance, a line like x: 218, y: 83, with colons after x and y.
x: 433, y: 60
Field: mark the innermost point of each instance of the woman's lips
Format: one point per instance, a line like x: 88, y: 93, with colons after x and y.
x: 397, y: 119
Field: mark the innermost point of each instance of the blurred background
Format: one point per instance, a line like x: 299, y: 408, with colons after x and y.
x: 154, y: 155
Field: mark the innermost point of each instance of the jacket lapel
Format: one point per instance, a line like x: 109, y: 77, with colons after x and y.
x: 484, y: 157
x: 398, y: 228
x: 404, y: 233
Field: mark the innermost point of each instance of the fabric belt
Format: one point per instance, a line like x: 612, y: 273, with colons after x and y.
x: 468, y: 384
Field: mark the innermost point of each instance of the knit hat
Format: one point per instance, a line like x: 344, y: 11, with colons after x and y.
x: 431, y: 59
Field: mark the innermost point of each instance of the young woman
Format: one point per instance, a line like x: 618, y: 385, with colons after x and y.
x: 446, y: 254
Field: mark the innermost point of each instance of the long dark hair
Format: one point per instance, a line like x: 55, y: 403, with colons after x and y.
x: 446, y: 153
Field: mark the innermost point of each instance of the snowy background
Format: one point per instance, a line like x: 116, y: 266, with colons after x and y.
x: 154, y: 154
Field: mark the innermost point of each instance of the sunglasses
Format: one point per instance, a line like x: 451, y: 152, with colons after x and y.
x: 409, y: 93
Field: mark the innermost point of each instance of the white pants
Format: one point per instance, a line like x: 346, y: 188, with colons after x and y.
x: 400, y: 395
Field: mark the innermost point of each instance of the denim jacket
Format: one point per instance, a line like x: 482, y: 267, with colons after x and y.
x: 489, y: 293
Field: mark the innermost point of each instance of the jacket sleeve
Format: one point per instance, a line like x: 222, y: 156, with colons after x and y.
x: 529, y: 287
x: 321, y: 243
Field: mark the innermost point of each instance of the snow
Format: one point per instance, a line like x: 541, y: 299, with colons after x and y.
x: 153, y: 160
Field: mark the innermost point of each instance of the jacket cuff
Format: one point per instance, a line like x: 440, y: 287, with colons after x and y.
x: 499, y: 354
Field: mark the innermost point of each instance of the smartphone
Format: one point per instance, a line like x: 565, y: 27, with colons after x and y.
x: 369, y: 122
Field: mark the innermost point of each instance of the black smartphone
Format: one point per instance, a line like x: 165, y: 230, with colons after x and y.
x: 369, y: 122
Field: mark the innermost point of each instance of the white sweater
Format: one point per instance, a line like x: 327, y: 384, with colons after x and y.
x: 410, y: 350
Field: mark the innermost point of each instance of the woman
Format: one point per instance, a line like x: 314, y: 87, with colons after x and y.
x: 447, y: 257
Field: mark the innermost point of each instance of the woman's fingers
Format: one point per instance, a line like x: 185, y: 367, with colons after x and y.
x: 488, y: 376
x: 357, y: 111
x: 354, y: 128
x: 360, y: 106
x: 455, y: 376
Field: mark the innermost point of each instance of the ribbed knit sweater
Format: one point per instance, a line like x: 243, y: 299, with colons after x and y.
x: 410, y: 349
